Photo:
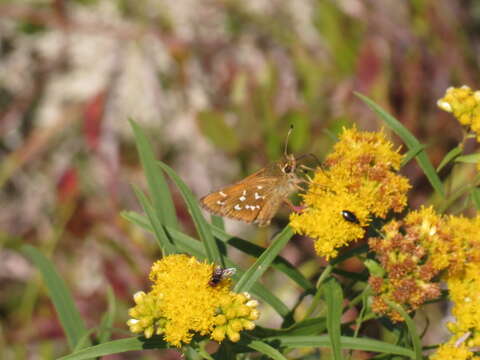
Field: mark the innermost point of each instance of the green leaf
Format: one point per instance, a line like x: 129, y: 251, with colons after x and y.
x: 334, y: 299
x: 68, y: 314
x: 264, y: 261
x: 266, y: 349
x: 116, y: 347
x: 412, y: 329
x: 213, y: 126
x: 217, y: 221
x: 452, y: 154
x: 108, y: 318
x: 476, y: 197
x: 411, y: 154
x: 203, y: 227
x: 267, y: 297
x: 157, y: 185
x: 364, y: 344
x: 279, y: 263
x: 163, y: 240
x: 137, y: 219
x: 310, y: 326
x: 469, y: 159
x: 411, y: 142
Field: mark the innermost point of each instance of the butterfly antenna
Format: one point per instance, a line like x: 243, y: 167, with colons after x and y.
x: 285, y: 151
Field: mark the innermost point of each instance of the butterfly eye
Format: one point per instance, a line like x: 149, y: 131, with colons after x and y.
x: 287, y: 169
x: 350, y: 217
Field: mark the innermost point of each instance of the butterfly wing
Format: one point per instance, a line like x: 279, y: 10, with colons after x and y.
x: 253, y: 199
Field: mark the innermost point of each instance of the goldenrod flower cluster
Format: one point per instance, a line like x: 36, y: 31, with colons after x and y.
x: 183, y: 304
x: 360, y: 176
x: 463, y: 282
x: 405, y: 254
x: 464, y: 104
x: 450, y: 351
x: 413, y: 253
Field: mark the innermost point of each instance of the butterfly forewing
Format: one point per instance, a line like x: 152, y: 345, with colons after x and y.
x: 245, y: 200
x: 257, y: 197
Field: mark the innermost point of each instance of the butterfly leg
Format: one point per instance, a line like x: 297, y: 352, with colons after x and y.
x: 308, y: 168
x: 297, y: 209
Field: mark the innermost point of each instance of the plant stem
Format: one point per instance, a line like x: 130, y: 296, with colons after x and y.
x: 316, y: 299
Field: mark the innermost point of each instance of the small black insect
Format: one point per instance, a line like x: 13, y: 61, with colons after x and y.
x: 350, y: 217
x: 219, y: 274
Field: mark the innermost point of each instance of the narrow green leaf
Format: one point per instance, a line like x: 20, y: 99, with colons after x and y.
x: 348, y: 343
x: 334, y: 299
x: 84, y: 340
x: 267, y: 297
x: 266, y: 349
x: 157, y: 185
x: 412, y: 329
x: 279, y: 263
x: 218, y: 222
x: 203, y: 228
x: 469, y: 159
x: 264, y: 261
x: 190, y: 353
x: 116, y: 347
x: 411, y: 142
x: 161, y: 237
x: 476, y: 197
x: 108, y: 318
x: 452, y: 154
x: 68, y: 314
x: 411, y: 154
x: 312, y: 326
x: 137, y: 219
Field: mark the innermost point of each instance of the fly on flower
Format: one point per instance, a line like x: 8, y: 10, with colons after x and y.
x: 258, y: 197
x: 219, y: 274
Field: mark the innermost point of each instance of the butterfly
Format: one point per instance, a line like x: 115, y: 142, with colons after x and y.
x: 258, y: 197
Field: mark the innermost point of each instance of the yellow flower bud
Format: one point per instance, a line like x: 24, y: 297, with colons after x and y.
x: 218, y: 334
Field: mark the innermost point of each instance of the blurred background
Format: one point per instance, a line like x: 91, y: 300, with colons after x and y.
x: 216, y: 83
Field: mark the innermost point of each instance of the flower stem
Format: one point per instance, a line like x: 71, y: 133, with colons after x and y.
x: 316, y: 299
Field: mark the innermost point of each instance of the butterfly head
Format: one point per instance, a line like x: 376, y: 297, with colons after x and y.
x: 289, y: 165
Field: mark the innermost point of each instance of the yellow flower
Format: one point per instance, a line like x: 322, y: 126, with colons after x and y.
x: 359, y: 178
x: 464, y: 104
x: 465, y: 294
x: 403, y: 252
x: 326, y: 224
x: 464, y: 244
x: 370, y: 153
x: 182, y: 304
x: 449, y: 351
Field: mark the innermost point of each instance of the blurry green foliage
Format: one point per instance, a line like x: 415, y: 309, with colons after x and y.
x: 214, y: 127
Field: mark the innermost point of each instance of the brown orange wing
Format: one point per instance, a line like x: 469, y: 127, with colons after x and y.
x: 248, y: 200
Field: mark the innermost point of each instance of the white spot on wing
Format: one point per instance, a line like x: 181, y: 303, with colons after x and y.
x: 259, y: 187
x: 221, y: 202
x: 223, y: 194
x: 237, y: 207
x: 244, y: 192
x: 242, y: 198
x: 257, y: 196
